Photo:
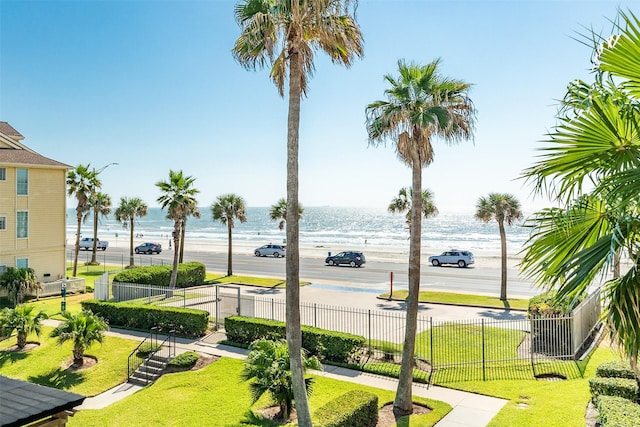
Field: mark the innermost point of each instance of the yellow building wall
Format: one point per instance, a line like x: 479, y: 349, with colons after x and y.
x: 46, y: 204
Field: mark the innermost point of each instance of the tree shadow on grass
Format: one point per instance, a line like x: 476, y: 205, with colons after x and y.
x: 58, y: 378
x: 10, y: 357
x: 252, y: 419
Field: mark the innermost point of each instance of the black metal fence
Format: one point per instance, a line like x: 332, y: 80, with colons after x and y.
x: 446, y: 351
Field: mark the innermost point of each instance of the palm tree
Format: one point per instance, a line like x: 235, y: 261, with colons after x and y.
x: 178, y: 198
x: 83, y: 329
x: 19, y: 282
x: 98, y: 203
x: 595, y: 146
x: 268, y: 364
x: 23, y: 320
x: 286, y: 34
x: 279, y: 212
x: 420, y: 105
x: 503, y: 208
x: 402, y: 204
x: 126, y: 213
x: 81, y: 183
x: 226, y: 209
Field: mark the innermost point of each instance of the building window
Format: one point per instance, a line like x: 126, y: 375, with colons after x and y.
x: 22, y: 182
x: 22, y: 228
x: 22, y: 262
x: 3, y: 223
x: 3, y: 268
x: 3, y: 174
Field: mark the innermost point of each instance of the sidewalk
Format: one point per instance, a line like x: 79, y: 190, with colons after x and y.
x: 469, y: 409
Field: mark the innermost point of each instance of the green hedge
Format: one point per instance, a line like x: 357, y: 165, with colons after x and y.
x: 621, y: 387
x: 615, y: 369
x: 185, y: 360
x: 189, y: 274
x: 617, y: 412
x: 184, y: 321
x: 326, y: 345
x: 356, y: 408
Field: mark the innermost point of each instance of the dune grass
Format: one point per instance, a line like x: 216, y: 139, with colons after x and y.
x: 462, y: 299
x: 43, y: 365
x: 215, y: 396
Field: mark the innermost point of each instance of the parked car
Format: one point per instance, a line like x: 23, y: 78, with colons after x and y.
x: 148, y: 248
x: 271, y: 250
x: 86, y: 243
x: 352, y: 258
x: 453, y: 256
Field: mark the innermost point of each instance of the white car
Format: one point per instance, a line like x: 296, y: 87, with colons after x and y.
x: 453, y: 256
x: 270, y: 250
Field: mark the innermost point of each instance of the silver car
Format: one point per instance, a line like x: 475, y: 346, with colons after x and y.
x: 270, y: 250
x: 453, y: 256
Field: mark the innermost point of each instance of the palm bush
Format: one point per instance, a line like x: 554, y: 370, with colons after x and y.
x: 22, y: 320
x: 83, y: 329
x: 268, y: 364
x: 18, y: 282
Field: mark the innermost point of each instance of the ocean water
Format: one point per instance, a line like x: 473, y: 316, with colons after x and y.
x: 323, y: 226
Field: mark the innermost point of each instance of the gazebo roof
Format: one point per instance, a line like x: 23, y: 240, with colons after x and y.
x: 23, y: 402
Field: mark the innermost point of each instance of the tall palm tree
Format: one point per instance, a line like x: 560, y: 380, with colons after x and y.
x: 286, y: 34
x: 23, y: 320
x: 503, y: 208
x: 83, y: 329
x: 592, y: 165
x: 178, y: 198
x: 278, y: 211
x: 98, y: 204
x: 226, y: 209
x: 420, y: 104
x: 126, y: 213
x: 81, y: 183
x: 402, y: 204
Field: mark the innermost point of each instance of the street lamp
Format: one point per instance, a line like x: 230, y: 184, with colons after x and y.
x: 103, y: 168
x: 63, y: 290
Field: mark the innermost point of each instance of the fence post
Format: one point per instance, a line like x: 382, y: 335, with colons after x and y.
x: 369, y: 321
x: 315, y: 315
x: 273, y: 309
x: 217, y: 308
x: 484, y: 367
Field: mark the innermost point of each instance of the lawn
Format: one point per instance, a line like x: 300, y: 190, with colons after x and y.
x: 43, y: 365
x: 267, y: 282
x: 462, y: 299
x: 52, y: 305
x: 214, y: 396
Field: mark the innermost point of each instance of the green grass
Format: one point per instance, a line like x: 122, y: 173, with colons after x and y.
x: 42, y: 365
x: 220, y: 279
x: 215, y: 396
x: 462, y: 299
x: 538, y: 402
x: 52, y: 305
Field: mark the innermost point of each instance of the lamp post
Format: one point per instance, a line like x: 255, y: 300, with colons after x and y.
x: 63, y: 290
x: 103, y: 168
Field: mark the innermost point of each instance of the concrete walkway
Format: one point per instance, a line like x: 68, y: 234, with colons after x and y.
x: 469, y: 409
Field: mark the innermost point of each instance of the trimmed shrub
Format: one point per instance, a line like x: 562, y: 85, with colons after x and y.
x: 326, y: 345
x: 189, y: 274
x: 615, y: 369
x: 617, y: 412
x: 356, y: 408
x: 547, y: 305
x: 621, y: 387
x: 184, y: 321
x: 185, y: 360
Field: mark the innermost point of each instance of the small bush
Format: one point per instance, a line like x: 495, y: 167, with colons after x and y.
x: 189, y: 274
x: 615, y: 369
x: 185, y: 360
x: 617, y: 412
x: 356, y: 408
x: 547, y: 304
x: 621, y: 387
x: 148, y: 348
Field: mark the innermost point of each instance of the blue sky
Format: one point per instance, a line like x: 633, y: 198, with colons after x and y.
x: 152, y: 85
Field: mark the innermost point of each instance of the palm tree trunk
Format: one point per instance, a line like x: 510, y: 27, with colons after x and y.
x: 77, y: 245
x: 183, y: 232
x: 503, y: 255
x: 22, y: 339
x: 131, y: 225
x: 294, y: 333
x: 403, y: 402
x: 229, y: 268
x: 78, y: 354
x: 95, y: 237
x: 176, y: 244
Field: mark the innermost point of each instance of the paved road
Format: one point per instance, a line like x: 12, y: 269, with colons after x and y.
x: 373, y: 277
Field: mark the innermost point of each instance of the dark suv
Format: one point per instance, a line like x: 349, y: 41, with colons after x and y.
x: 149, y: 248
x: 353, y: 258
